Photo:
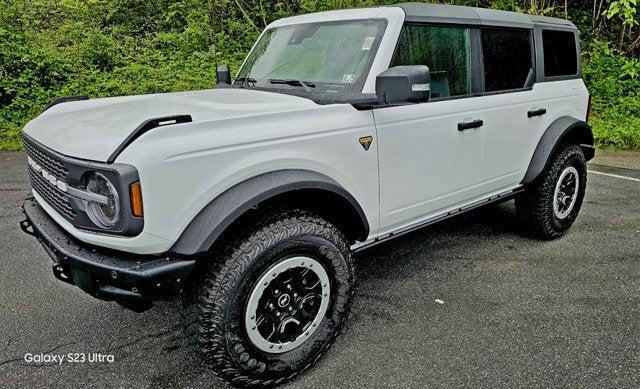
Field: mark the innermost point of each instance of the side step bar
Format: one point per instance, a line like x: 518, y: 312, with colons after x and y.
x: 499, y: 198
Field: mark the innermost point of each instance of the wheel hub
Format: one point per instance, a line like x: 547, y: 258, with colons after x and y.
x: 284, y: 301
x: 287, y: 304
x: 566, y: 192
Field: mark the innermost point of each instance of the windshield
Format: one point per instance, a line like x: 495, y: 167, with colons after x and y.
x: 325, y: 57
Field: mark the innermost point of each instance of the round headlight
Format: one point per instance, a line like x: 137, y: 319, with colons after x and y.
x: 104, y: 215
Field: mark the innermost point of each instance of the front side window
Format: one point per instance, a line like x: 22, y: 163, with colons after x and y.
x: 560, y: 57
x: 507, y: 58
x: 331, y: 57
x: 445, y: 50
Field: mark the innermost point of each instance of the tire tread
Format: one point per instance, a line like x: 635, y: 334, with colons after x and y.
x: 202, y: 304
x: 535, y: 206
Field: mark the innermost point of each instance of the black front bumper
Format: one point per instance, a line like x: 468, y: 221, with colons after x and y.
x: 132, y: 280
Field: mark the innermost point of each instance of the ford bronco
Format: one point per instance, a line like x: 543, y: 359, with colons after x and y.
x: 341, y: 130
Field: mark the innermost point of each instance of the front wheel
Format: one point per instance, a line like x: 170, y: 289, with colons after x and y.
x: 552, y: 203
x: 275, y: 302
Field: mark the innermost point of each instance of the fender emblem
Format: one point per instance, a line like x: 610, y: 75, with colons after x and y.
x: 365, y: 141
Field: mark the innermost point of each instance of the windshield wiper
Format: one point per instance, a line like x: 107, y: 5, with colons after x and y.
x: 305, y: 84
x: 246, y: 80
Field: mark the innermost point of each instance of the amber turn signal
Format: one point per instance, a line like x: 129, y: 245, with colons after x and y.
x: 135, y: 193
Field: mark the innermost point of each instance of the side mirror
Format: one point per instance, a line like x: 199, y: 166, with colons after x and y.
x: 402, y: 84
x: 223, y: 74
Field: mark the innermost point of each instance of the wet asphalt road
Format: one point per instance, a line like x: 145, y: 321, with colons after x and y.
x: 516, y: 312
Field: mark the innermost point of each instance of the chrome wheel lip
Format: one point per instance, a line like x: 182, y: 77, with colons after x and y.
x: 573, y: 197
x: 263, y: 283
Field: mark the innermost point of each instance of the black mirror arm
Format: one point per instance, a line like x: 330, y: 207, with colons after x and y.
x: 382, y: 98
x: 531, y: 78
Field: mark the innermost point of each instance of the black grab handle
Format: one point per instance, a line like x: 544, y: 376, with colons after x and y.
x: 537, y: 112
x: 469, y: 125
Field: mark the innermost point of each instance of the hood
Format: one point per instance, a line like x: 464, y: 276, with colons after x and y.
x: 93, y: 129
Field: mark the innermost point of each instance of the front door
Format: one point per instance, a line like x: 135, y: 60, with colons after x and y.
x: 432, y: 154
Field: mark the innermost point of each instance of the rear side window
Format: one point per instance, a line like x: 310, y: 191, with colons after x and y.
x: 507, y: 58
x: 560, y: 56
x: 445, y: 50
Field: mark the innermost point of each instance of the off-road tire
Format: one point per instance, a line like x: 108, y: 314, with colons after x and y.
x: 214, y: 307
x: 535, y: 206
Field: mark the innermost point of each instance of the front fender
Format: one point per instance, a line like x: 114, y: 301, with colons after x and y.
x: 220, y: 213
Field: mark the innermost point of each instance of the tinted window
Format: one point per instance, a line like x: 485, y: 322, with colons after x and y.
x: 507, y: 58
x: 560, y: 57
x: 445, y: 50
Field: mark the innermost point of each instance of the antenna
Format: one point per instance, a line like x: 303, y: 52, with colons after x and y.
x: 214, y: 49
x: 214, y: 44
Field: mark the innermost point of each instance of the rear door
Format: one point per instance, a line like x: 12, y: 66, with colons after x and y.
x: 427, y: 163
x: 515, y: 113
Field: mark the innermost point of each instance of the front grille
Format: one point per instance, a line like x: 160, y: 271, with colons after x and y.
x: 52, y: 195
x: 48, y: 163
x: 59, y: 200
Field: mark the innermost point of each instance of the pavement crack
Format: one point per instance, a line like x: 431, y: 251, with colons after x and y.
x: 11, y: 360
x: 12, y: 189
x: 154, y: 335
x: 17, y: 359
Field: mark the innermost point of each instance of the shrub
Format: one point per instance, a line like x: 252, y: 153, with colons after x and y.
x: 614, y: 83
x: 123, y: 47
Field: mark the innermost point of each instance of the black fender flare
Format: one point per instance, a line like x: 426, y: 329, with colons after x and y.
x: 564, y: 130
x: 219, y: 214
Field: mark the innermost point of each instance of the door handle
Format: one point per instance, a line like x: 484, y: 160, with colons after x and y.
x: 537, y: 112
x: 469, y: 125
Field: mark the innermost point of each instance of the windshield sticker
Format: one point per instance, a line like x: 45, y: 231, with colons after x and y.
x: 368, y: 43
x: 349, y: 78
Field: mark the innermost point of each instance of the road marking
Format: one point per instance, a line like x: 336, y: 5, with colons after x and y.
x: 615, y: 176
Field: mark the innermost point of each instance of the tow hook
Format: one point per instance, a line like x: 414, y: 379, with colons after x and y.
x: 60, y: 273
x: 26, y: 227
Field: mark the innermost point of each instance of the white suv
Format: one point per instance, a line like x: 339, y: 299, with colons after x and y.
x: 342, y: 130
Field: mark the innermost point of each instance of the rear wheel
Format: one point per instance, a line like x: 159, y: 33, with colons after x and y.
x: 275, y: 302
x: 552, y: 203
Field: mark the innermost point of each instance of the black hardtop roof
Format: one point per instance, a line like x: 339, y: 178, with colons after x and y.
x: 454, y: 14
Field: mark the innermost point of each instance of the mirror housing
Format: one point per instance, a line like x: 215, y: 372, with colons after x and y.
x: 404, y: 84
x: 223, y: 74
